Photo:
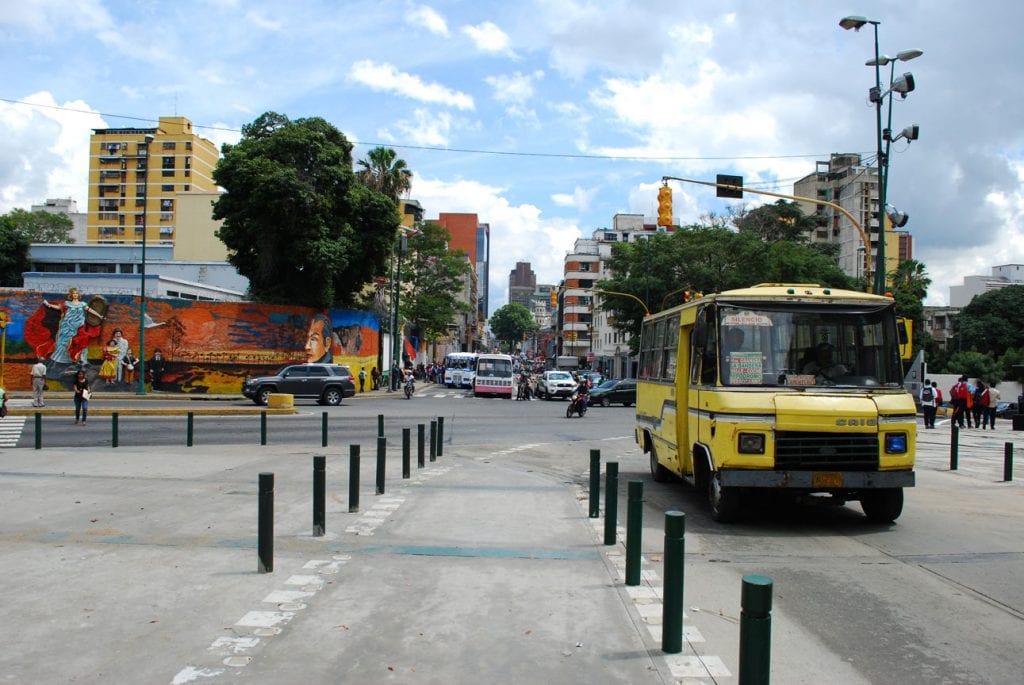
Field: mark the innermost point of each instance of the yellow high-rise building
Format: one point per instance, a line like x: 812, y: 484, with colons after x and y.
x: 134, y: 175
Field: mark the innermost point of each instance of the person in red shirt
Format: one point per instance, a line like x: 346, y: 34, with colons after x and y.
x: 958, y: 395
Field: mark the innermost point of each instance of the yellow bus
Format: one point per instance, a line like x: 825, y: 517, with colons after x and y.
x: 786, y: 387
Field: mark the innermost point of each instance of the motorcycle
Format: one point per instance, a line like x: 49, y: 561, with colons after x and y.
x: 578, y: 404
x: 410, y: 388
x: 524, y: 390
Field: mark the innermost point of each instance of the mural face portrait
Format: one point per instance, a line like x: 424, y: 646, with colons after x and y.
x: 318, y: 340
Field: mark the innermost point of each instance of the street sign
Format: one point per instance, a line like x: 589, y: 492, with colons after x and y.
x: 723, y: 179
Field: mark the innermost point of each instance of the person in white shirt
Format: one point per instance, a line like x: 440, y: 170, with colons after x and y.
x: 38, y: 373
x: 928, y: 404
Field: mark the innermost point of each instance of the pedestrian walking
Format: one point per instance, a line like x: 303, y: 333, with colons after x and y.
x: 991, y: 400
x: 374, y: 379
x: 928, y: 406
x: 958, y: 397
x: 38, y: 373
x: 978, y: 411
x: 82, y: 394
x: 362, y: 379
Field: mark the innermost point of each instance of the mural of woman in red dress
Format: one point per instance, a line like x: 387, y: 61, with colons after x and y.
x: 61, y: 332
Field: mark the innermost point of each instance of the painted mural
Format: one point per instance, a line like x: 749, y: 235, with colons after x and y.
x: 195, y: 347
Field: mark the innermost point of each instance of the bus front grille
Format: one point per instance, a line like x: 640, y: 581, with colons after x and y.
x: 826, y: 451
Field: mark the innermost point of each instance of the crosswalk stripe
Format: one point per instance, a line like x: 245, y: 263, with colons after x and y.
x: 10, y: 430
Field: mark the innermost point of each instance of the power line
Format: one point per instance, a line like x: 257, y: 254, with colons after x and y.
x: 432, y: 148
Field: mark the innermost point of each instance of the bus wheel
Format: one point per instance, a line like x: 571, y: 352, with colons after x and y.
x: 659, y: 473
x: 882, y: 506
x: 724, y: 502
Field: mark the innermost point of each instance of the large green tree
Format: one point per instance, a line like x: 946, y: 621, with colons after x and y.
x: 296, y: 222
x: 432, y: 279
x: 910, y: 283
x: 40, y: 226
x: 511, y: 323
x: 992, y: 323
x: 783, y: 220
x: 660, y: 271
x: 384, y: 172
x: 14, y: 244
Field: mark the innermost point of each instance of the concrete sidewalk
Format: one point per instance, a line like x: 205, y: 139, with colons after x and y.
x: 140, y: 567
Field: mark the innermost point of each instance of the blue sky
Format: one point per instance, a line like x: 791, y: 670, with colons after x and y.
x: 547, y: 118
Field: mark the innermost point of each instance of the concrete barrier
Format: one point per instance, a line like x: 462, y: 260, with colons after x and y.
x: 280, y: 400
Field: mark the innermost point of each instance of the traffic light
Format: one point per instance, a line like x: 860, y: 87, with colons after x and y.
x: 664, y: 206
x: 554, y: 297
x: 736, y: 181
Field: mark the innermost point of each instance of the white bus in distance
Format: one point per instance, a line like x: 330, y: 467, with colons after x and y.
x: 460, y: 369
x: 494, y: 376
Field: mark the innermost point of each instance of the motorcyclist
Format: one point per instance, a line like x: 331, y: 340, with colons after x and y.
x: 524, y: 386
x: 582, y: 393
x: 409, y: 379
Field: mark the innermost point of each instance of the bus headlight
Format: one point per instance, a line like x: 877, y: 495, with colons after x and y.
x: 895, y: 443
x: 751, y: 443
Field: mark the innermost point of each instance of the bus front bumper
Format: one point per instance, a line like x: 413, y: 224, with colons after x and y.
x: 816, y: 480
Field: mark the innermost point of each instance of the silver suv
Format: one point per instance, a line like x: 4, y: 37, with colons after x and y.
x: 326, y: 383
x: 555, y: 384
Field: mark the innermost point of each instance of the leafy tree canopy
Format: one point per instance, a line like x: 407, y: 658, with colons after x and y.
x: 40, y: 226
x: 660, y: 270
x: 14, y: 244
x: 296, y: 222
x: 511, y: 323
x: 433, y: 277
x: 783, y: 220
x: 992, y: 323
x: 910, y: 283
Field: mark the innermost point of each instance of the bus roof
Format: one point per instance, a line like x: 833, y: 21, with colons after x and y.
x: 788, y: 292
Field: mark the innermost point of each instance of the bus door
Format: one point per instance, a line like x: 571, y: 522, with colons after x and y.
x: 703, y: 374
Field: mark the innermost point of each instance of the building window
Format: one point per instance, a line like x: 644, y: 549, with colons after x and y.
x: 140, y: 219
x: 97, y: 268
x: 188, y: 144
x: 168, y: 145
x: 166, y: 205
x: 167, y: 188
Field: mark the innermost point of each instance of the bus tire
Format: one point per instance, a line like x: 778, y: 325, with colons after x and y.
x: 882, y: 506
x: 723, y: 502
x: 659, y: 473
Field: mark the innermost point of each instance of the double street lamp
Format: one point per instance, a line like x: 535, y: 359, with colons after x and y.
x: 902, y: 85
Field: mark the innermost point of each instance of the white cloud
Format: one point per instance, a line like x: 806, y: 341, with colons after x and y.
x: 517, y: 88
x: 385, y: 77
x: 46, y: 153
x: 487, y: 37
x: 428, y: 18
x: 425, y: 128
x: 518, y: 232
x: 579, y: 199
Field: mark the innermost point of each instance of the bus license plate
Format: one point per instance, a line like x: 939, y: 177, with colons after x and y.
x: 827, y: 479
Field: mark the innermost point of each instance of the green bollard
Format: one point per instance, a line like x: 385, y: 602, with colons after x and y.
x: 755, y: 630
x: 265, y: 525
x: 420, y: 441
x: 39, y: 430
x: 353, y: 478
x: 189, y: 428
x: 634, y: 531
x: 954, y: 448
x: 672, y: 602
x: 611, y: 502
x: 595, y: 483
x: 263, y: 428
x: 406, y: 452
x: 440, y: 436
x: 433, y: 441
x: 381, y: 457
x: 323, y: 429
x: 113, y: 429
x: 1007, y: 461
x: 380, y: 424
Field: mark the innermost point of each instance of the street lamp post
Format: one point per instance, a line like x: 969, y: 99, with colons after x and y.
x: 903, y: 85
x: 396, y: 349
x: 142, y: 271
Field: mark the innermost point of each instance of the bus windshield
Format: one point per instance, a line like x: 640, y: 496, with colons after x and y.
x: 463, y: 361
x: 493, y: 368
x: 801, y: 345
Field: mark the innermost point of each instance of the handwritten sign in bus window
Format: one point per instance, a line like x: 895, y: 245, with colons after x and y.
x: 745, y: 368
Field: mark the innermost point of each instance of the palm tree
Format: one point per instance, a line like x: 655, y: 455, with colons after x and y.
x: 911, y: 277
x: 384, y: 173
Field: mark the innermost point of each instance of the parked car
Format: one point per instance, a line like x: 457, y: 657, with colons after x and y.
x: 326, y: 383
x: 555, y: 384
x: 614, y: 392
x: 1005, y: 410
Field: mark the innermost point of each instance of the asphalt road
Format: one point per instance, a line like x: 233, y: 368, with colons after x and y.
x: 937, y: 597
